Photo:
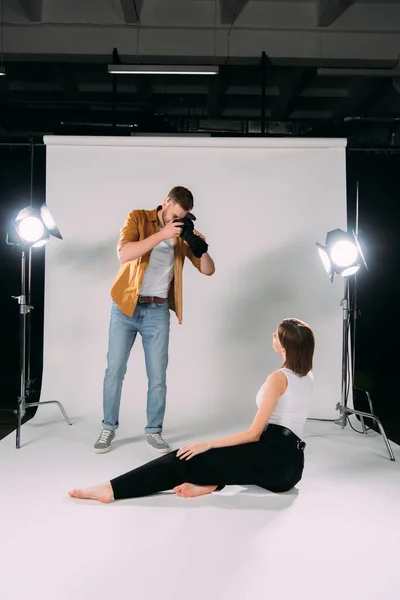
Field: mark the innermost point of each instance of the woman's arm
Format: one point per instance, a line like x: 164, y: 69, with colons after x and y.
x: 275, y: 386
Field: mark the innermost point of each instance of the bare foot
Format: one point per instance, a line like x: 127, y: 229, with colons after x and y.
x: 102, y: 492
x: 190, y: 490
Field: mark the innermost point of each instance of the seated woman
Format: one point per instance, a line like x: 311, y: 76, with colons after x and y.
x: 268, y: 454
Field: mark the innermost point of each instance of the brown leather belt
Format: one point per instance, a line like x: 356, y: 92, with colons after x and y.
x: 150, y: 299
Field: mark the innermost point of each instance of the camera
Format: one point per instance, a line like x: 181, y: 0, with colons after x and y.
x: 197, y: 245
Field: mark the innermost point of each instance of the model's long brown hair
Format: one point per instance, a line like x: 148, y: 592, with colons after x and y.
x: 298, y: 340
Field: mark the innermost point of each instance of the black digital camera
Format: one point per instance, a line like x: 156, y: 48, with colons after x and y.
x: 197, y: 245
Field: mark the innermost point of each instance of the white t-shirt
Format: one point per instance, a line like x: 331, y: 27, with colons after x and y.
x: 160, y: 270
x: 293, y: 406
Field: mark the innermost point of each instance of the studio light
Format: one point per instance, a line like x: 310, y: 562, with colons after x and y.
x: 49, y: 222
x: 2, y: 71
x: 35, y: 225
x: 341, y: 254
x: 31, y: 228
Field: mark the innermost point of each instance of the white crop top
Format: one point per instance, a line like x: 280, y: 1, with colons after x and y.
x: 293, y: 406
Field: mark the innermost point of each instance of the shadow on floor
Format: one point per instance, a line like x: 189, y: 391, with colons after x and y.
x: 8, y: 422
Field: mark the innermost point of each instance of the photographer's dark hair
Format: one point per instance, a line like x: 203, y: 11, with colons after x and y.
x: 298, y: 340
x: 182, y: 196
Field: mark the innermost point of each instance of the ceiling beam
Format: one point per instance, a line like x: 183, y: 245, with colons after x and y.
x: 292, y: 82
x: 67, y: 75
x: 31, y: 9
x: 330, y: 10
x: 365, y: 95
x: 230, y: 10
x: 132, y: 10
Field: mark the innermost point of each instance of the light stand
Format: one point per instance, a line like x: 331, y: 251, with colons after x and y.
x: 25, y: 309
x: 34, y: 228
x: 348, y: 374
x: 342, y: 255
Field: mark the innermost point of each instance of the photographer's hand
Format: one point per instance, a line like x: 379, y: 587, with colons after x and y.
x: 207, y: 266
x: 172, y: 230
x: 199, y: 234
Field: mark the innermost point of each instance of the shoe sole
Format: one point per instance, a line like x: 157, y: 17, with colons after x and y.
x: 166, y: 451
x: 101, y: 450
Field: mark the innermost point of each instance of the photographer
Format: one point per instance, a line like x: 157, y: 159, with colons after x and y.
x: 152, y: 248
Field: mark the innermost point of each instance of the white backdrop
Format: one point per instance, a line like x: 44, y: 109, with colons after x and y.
x: 262, y: 204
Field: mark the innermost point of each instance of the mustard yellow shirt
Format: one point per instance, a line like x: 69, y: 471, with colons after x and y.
x: 139, y: 225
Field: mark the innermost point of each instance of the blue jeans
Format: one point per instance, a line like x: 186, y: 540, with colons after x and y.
x: 152, y: 321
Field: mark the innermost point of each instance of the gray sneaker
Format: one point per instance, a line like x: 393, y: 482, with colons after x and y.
x: 103, y: 443
x: 156, y: 441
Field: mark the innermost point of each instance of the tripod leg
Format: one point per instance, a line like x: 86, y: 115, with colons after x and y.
x: 368, y: 416
x: 377, y: 421
x: 60, y: 406
x: 363, y: 425
x: 18, y: 428
x: 383, y: 434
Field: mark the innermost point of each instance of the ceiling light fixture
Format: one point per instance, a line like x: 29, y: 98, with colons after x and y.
x: 161, y: 70
x: 352, y: 72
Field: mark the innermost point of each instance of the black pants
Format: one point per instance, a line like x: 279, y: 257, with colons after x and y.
x: 274, y: 463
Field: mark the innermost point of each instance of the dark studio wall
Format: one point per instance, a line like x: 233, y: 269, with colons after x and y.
x: 15, y: 193
x: 378, y: 289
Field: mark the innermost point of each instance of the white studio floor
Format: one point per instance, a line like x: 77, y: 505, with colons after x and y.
x: 336, y: 536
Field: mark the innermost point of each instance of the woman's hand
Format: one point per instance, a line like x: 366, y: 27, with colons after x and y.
x: 187, y: 452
